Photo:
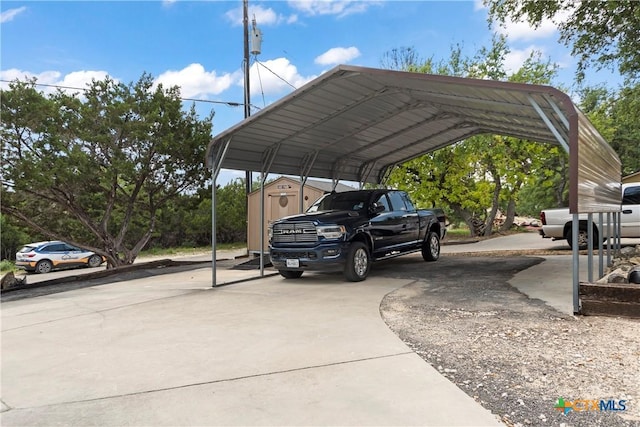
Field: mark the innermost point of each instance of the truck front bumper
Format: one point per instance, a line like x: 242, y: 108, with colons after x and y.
x: 324, y: 257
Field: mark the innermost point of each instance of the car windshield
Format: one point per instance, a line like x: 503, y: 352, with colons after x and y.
x: 341, y: 202
x: 26, y: 249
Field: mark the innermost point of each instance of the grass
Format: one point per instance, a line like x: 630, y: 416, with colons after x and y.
x: 7, y: 266
x: 190, y: 250
x: 458, y: 233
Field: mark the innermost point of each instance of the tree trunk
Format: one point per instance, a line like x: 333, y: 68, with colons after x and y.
x: 468, y: 218
x: 511, y: 214
x: 495, y: 203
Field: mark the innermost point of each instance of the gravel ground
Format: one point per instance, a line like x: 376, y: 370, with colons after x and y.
x: 514, y: 355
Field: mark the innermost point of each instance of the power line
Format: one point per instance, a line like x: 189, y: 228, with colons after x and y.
x: 272, y: 72
x: 228, y: 103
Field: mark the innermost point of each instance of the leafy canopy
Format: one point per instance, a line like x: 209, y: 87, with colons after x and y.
x: 94, y: 168
x: 600, y: 33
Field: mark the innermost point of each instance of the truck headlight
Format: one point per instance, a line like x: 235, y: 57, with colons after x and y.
x: 270, y: 232
x: 331, y: 231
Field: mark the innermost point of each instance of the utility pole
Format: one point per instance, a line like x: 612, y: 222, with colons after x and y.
x: 247, y: 99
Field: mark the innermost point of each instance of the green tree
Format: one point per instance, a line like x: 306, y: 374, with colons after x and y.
x: 615, y: 115
x: 12, y: 237
x: 601, y: 33
x: 231, y: 212
x: 478, y: 177
x: 95, y: 168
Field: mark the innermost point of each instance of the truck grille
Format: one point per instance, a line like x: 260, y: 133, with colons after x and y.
x: 294, y: 232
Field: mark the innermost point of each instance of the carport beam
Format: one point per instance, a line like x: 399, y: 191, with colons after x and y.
x: 550, y: 125
x: 308, y: 161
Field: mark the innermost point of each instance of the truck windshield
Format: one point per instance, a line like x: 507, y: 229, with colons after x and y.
x: 340, y: 202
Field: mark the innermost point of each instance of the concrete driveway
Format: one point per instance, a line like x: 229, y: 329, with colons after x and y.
x: 170, y: 350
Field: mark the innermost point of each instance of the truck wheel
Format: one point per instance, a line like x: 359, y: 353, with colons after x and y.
x: 290, y: 274
x: 583, y: 238
x: 358, y: 262
x: 431, y: 247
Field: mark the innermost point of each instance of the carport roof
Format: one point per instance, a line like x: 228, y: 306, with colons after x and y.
x: 356, y: 124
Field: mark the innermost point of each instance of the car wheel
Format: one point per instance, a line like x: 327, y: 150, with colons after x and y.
x: 44, y: 266
x: 94, y: 261
x: 358, y: 262
x: 583, y: 238
x: 290, y: 274
x: 431, y: 247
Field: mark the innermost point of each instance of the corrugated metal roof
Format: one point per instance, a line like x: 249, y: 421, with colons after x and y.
x: 356, y: 124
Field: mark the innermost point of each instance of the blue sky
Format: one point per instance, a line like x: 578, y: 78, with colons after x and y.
x: 198, y: 45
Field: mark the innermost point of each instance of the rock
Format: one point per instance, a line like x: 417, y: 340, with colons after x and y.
x: 618, y: 276
x: 9, y: 280
x: 627, y: 251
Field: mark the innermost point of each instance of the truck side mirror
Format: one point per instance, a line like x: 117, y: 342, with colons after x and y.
x: 377, y: 208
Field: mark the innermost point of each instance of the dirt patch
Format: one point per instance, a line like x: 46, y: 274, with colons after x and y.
x: 516, y: 356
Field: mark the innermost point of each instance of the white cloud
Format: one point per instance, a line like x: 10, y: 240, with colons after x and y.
x: 8, y: 15
x: 338, y: 55
x: 514, y: 60
x: 340, y: 8
x: 82, y: 78
x: 74, y: 81
x: 262, y: 16
x: 478, y: 5
x: 195, y: 81
x: 274, y: 76
x: 522, y: 31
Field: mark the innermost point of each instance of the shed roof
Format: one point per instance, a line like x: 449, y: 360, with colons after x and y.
x: 357, y: 123
x: 325, y: 186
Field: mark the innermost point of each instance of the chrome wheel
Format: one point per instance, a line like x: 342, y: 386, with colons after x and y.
x: 361, y: 262
x: 431, y: 247
x: 358, y: 262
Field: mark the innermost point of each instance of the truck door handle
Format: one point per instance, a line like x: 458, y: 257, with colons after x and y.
x: 627, y: 211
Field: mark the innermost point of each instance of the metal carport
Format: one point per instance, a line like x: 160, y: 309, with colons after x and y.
x: 356, y: 124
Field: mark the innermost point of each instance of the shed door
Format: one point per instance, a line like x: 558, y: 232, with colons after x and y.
x: 283, y: 204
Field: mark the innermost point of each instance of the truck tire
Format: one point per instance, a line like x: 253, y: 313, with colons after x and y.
x: 583, y: 238
x: 358, y: 262
x: 431, y: 247
x: 290, y: 274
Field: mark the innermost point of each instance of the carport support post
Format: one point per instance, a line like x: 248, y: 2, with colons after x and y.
x: 263, y: 177
x: 600, y: 248
x: 608, y: 239
x: 575, y: 229
x: 590, y: 247
x: 213, y: 228
x: 619, y: 233
x: 614, y: 217
x: 216, y: 159
x: 267, y: 160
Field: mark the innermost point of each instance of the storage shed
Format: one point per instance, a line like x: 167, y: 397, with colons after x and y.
x: 282, y: 198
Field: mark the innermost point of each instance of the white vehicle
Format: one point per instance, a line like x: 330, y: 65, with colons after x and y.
x: 557, y: 223
x: 42, y: 257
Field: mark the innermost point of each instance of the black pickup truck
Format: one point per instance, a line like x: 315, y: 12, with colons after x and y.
x: 347, y: 231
